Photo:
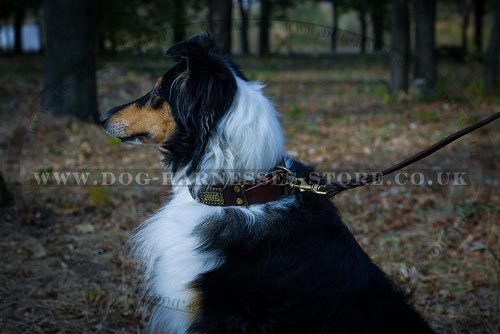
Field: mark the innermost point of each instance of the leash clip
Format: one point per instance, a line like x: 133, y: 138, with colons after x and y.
x: 301, y: 184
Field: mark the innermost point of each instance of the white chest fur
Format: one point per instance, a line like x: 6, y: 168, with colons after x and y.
x: 248, y: 138
x: 166, y: 247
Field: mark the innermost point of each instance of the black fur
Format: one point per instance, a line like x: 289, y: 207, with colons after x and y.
x: 200, y: 102
x: 298, y: 270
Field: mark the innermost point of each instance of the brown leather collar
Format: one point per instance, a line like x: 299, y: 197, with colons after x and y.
x: 263, y: 190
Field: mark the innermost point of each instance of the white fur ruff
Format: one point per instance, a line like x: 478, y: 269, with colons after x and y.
x: 166, y: 247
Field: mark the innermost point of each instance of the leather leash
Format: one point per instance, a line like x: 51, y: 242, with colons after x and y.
x: 334, y: 188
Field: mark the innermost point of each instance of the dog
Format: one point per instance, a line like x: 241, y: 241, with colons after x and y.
x: 235, y: 251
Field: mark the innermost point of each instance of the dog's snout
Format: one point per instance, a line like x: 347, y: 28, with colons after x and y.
x: 116, y: 129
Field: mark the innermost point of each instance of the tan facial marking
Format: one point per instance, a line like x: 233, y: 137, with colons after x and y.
x: 156, y: 124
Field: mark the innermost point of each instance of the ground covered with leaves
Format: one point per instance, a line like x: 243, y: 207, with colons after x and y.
x: 65, y: 261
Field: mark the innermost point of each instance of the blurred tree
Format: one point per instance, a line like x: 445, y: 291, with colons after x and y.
x: 362, y: 21
x: 70, y: 64
x: 425, y: 51
x: 400, y: 46
x: 464, y: 8
x: 377, y: 10
x: 140, y: 25
x: 478, y: 24
x: 219, y: 22
x: 5, y: 8
x: 361, y: 7
x: 245, y: 10
x: 19, y: 15
x: 267, y: 8
x: 108, y: 25
x: 6, y: 197
x: 491, y: 56
x: 115, y: 23
x: 264, y: 27
x: 335, y: 24
x: 179, y: 21
x: 147, y: 24
x: 17, y: 11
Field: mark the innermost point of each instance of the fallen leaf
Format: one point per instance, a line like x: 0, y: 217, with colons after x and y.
x: 85, y: 228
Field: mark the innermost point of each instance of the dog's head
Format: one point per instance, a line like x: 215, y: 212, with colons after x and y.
x: 184, y: 106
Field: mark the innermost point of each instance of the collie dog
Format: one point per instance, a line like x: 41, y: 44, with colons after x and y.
x: 233, y: 252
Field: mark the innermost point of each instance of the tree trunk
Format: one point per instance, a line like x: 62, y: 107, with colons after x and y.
x: 19, y: 15
x: 113, y: 43
x: 362, y: 21
x: 179, y: 21
x: 101, y: 44
x: 244, y: 12
x: 264, y: 26
x: 465, y: 27
x: 6, y: 197
x: 335, y: 24
x: 70, y: 64
x: 425, y: 53
x: 39, y: 23
x: 378, y: 29
x: 219, y: 21
x: 491, y: 56
x: 478, y: 25
x: 400, y: 46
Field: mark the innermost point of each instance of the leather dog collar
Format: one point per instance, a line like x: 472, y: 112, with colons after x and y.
x: 258, y: 191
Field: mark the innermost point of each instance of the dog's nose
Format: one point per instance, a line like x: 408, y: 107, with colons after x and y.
x: 104, y: 118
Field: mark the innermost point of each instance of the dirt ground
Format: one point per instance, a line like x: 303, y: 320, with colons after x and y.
x: 65, y: 261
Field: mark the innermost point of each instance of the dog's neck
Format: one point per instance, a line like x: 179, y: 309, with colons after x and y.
x: 248, y: 140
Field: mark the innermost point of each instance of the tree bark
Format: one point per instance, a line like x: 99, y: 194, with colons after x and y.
x: 101, y: 44
x: 19, y: 16
x: 362, y: 21
x: 425, y: 53
x: 113, y: 43
x: 378, y: 30
x: 70, y: 58
x: 6, y: 198
x: 465, y: 27
x: 335, y: 25
x: 491, y: 56
x: 264, y: 26
x: 244, y: 12
x: 38, y: 22
x: 179, y: 21
x: 478, y: 24
x: 400, y: 46
x: 219, y: 20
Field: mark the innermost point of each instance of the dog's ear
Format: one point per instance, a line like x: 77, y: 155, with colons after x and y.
x: 201, y: 56
x: 205, y: 91
x: 178, y: 51
x: 198, y: 47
